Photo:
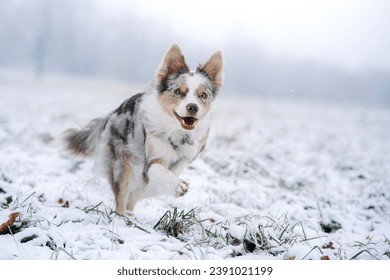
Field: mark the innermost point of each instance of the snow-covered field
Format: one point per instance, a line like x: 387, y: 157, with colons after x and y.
x: 278, y: 180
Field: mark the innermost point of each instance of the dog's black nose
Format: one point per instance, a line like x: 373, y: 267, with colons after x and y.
x: 192, y: 108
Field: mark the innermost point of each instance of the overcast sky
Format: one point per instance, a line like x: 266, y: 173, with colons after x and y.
x: 354, y: 34
x: 295, y: 48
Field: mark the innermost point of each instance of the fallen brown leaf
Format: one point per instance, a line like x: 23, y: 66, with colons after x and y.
x: 328, y: 246
x: 4, y: 227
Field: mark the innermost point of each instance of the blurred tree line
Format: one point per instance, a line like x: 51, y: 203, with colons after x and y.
x: 82, y: 38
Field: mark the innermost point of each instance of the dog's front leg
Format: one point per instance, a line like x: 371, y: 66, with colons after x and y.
x: 178, y: 166
x: 163, y: 181
x: 160, y: 181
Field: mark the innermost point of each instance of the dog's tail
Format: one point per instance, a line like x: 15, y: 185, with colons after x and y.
x: 83, y: 142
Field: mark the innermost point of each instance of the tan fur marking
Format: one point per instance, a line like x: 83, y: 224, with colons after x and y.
x: 157, y: 160
x: 183, y: 89
x: 206, y: 104
x: 169, y: 102
x: 200, y: 90
x: 148, y: 146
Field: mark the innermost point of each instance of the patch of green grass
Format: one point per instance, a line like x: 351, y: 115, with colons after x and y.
x: 262, y: 234
x: 175, y: 222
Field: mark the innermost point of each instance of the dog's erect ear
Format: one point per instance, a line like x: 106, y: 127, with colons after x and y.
x: 213, y: 68
x: 173, y: 62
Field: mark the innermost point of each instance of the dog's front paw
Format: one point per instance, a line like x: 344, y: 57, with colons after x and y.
x: 182, y: 188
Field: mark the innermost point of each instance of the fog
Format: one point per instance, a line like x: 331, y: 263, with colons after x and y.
x: 339, y: 54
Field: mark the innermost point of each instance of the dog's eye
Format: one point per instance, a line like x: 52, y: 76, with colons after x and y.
x: 204, y: 95
x: 178, y: 92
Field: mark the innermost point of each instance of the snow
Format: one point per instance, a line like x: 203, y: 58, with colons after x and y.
x: 278, y: 180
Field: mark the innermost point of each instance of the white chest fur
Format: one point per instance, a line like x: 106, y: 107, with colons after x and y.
x: 171, y: 149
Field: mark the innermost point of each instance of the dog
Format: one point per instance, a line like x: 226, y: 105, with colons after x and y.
x: 145, y: 143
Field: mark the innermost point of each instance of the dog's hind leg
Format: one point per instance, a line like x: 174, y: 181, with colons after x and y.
x: 120, y: 173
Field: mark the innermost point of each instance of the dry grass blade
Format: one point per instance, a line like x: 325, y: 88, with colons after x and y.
x: 314, y: 248
x: 363, y: 251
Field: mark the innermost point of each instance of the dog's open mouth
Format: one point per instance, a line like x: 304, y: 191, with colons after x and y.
x: 186, y: 122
